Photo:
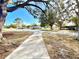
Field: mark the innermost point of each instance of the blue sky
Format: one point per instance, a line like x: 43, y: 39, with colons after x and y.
x: 23, y: 14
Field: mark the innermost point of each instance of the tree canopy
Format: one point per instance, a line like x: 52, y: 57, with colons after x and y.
x: 25, y: 4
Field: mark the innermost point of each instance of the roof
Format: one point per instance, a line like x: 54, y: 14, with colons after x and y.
x: 71, y: 23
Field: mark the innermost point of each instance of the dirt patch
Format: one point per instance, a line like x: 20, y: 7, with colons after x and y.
x: 61, y: 47
x: 11, y: 41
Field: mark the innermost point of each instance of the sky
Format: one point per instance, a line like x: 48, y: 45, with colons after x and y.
x: 20, y: 13
x: 26, y: 17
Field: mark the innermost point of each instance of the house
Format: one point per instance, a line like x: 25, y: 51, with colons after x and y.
x: 36, y: 27
x: 68, y: 24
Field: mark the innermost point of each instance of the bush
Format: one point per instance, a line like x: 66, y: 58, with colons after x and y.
x: 13, y: 26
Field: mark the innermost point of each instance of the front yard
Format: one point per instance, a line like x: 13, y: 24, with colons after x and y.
x: 12, y: 40
x: 61, y: 47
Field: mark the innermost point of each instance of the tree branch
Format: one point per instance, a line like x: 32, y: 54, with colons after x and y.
x: 30, y: 12
x: 10, y: 9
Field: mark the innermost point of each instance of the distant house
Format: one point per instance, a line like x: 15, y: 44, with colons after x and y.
x: 69, y: 25
x: 36, y: 27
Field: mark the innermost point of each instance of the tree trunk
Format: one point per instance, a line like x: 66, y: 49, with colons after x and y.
x: 60, y: 27
x: 2, y: 18
x: 1, y: 25
x: 51, y: 27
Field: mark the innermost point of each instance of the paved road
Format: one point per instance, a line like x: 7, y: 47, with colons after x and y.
x: 31, y: 48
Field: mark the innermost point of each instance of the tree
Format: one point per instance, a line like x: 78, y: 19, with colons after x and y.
x: 60, y: 22
x: 43, y: 20
x: 67, y: 9
x: 18, y: 22
x: 72, y: 6
x: 50, y: 19
x: 13, y: 26
x: 19, y: 4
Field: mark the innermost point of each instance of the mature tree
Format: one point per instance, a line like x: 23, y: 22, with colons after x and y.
x: 50, y: 19
x: 72, y: 10
x: 18, y: 4
x: 43, y: 20
x: 72, y: 6
x: 67, y: 9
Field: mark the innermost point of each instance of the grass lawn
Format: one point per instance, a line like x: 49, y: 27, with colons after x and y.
x: 12, y: 40
x: 61, y: 47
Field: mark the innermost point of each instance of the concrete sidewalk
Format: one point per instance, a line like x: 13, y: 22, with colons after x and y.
x: 31, y: 48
